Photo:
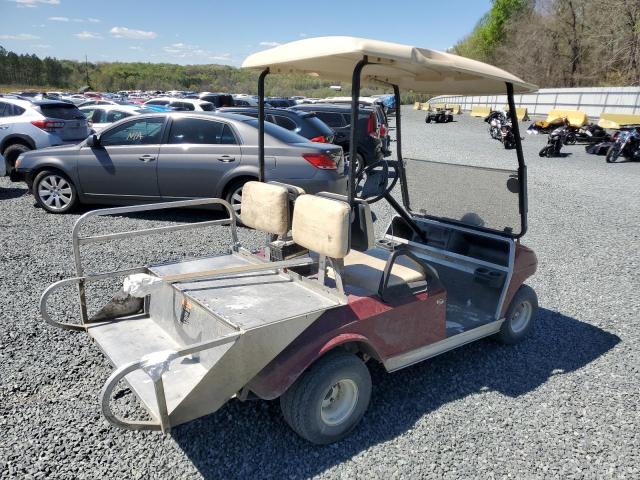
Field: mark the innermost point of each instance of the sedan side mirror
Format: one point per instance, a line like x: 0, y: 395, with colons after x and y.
x: 93, y: 141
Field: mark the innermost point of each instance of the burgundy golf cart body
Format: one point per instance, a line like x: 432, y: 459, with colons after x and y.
x: 300, y: 318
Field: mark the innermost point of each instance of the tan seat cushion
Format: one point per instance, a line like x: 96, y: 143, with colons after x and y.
x: 365, y: 269
x: 265, y: 207
x: 321, y: 225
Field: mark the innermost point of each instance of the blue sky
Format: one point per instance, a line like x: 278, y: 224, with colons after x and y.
x: 220, y: 31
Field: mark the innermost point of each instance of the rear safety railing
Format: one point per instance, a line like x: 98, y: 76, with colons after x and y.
x: 81, y: 278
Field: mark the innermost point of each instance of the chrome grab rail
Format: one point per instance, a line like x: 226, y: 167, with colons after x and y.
x: 155, y: 372
x: 44, y: 312
x: 79, y: 240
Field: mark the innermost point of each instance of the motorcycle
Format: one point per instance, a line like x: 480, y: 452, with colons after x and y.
x: 590, y: 133
x: 626, y: 143
x: 507, y: 137
x: 555, y: 141
x: 495, y: 120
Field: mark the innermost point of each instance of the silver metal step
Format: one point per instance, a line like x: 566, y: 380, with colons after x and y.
x: 126, y: 341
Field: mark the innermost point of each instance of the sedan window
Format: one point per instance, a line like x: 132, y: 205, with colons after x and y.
x: 138, y: 132
x: 182, y: 106
x: 285, y: 122
x: 115, y: 115
x: 198, y: 131
x: 3, y: 109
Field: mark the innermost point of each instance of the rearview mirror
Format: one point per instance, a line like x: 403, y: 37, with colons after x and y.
x: 93, y: 141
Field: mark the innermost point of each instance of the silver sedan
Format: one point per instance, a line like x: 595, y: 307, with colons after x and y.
x: 176, y: 156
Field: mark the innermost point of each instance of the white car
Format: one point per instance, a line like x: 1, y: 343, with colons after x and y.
x: 182, y: 104
x: 101, y: 116
x: 32, y: 124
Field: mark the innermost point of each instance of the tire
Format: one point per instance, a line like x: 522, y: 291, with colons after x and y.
x: 233, y: 193
x: 360, y: 163
x: 519, y: 320
x: 543, y: 152
x: 428, y: 119
x: 55, y: 192
x: 571, y: 139
x: 613, y: 154
x: 11, y: 154
x: 329, y: 399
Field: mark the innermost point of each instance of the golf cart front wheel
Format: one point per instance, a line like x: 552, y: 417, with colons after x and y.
x: 328, y: 400
x: 520, y: 316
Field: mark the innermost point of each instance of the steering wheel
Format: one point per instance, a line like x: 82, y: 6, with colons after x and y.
x: 372, y: 182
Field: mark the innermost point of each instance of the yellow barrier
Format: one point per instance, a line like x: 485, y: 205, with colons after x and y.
x: 416, y: 106
x: 434, y: 106
x: 617, y: 120
x: 424, y: 106
x: 479, y: 111
x: 521, y: 112
x: 576, y: 117
x: 455, y: 108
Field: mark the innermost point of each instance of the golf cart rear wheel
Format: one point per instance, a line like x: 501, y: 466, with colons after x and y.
x: 55, y: 192
x: 520, y: 316
x: 329, y: 399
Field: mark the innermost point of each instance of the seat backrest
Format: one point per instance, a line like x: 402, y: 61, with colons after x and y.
x: 265, y: 207
x: 322, y: 225
x: 362, y: 233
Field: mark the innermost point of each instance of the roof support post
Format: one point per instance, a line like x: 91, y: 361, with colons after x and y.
x: 261, y: 79
x: 403, y: 174
x: 522, y: 168
x: 353, y: 138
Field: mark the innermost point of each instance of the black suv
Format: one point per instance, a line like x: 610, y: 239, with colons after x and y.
x: 338, y: 117
x: 306, y: 124
x: 218, y: 99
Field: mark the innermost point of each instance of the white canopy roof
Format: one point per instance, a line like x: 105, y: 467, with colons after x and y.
x: 411, y: 68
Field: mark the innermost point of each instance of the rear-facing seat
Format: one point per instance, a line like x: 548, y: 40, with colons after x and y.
x: 266, y: 206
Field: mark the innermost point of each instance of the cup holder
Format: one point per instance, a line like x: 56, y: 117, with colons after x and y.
x: 491, y: 278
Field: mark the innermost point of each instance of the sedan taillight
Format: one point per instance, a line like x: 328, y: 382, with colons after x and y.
x: 321, y: 161
x: 48, y: 125
x: 371, y: 126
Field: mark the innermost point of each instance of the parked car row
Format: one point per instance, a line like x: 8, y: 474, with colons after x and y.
x: 195, y: 145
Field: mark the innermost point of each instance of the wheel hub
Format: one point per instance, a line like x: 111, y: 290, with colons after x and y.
x: 339, y: 402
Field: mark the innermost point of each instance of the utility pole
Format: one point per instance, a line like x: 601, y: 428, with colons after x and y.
x: 86, y: 70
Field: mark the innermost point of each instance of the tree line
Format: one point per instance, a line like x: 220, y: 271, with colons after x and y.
x: 560, y: 43
x: 25, y: 70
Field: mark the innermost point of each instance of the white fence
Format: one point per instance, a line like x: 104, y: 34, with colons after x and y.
x: 591, y: 100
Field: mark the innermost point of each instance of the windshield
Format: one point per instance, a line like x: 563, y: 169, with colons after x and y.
x: 473, y: 195
x: 462, y: 170
x: 64, y: 111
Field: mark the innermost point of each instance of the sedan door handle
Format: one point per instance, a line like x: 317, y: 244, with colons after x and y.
x: 147, y: 158
x: 226, y: 158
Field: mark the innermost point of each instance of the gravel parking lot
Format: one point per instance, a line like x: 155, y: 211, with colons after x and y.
x: 563, y: 404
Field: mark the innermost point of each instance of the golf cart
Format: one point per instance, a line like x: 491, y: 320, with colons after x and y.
x: 439, y: 114
x: 299, y: 319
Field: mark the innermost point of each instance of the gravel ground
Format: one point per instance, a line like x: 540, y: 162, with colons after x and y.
x: 563, y: 404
